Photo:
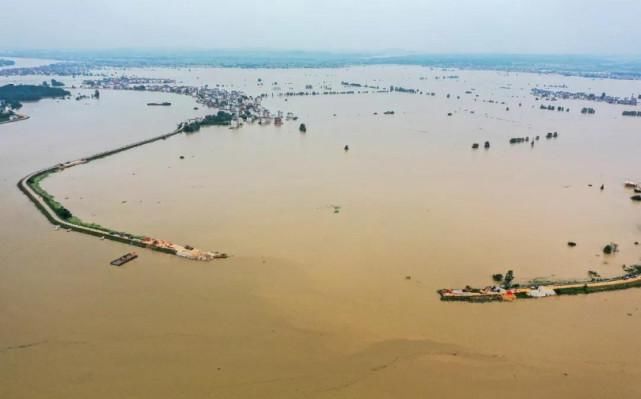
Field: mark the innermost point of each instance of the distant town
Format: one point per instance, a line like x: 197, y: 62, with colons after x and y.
x: 241, y: 107
x: 553, y: 95
x: 56, y: 69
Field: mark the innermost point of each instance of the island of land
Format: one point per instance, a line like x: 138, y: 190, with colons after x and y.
x: 12, y: 96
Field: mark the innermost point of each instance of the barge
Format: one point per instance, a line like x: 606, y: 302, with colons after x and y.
x: 128, y: 257
x: 507, y: 294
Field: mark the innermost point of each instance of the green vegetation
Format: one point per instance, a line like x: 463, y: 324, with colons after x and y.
x: 610, y: 248
x: 56, y: 83
x: 589, y: 111
x: 552, y: 108
x: 4, y: 62
x: 631, y: 113
x: 15, y: 105
x: 190, y: 127
x: 405, y: 90
x: 221, y: 118
x: 5, y: 115
x: 504, y: 281
x: 57, y: 207
x: 63, y: 212
x: 12, y: 92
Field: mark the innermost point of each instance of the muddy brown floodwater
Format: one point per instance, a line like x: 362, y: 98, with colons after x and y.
x: 313, y: 303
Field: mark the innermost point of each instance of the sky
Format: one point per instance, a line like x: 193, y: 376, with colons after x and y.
x: 423, y: 26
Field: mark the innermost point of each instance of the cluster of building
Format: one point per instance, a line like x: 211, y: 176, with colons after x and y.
x: 553, y: 95
x: 126, y: 83
x: 242, y: 107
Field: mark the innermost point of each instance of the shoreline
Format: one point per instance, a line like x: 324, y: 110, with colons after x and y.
x: 20, y: 118
x: 29, y: 185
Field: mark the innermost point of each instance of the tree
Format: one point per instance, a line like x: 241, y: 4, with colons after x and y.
x: 63, y: 212
x: 507, y: 280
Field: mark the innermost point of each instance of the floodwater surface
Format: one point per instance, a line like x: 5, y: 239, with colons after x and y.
x: 336, y: 256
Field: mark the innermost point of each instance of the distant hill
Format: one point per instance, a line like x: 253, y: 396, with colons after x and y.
x: 4, y: 62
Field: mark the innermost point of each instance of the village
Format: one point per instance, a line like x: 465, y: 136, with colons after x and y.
x: 553, y: 95
x: 243, y: 108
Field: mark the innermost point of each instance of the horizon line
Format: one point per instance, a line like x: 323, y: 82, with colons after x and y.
x: 343, y: 52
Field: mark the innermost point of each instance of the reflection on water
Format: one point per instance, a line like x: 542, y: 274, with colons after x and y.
x: 316, y: 302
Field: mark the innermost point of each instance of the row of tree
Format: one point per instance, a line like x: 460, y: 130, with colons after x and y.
x: 631, y: 113
x: 588, y: 111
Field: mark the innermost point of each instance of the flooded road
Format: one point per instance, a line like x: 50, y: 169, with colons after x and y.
x: 316, y: 303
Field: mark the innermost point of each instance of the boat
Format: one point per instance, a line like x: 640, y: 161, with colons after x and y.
x: 631, y: 184
x: 124, y: 259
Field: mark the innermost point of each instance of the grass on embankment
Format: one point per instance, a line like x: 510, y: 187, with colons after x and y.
x: 62, y: 212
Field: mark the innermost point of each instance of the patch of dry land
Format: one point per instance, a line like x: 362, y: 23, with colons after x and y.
x: 330, y: 291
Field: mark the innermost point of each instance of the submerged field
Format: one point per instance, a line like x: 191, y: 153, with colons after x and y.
x: 316, y: 303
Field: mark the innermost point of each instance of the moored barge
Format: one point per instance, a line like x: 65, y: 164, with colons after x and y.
x: 124, y: 259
